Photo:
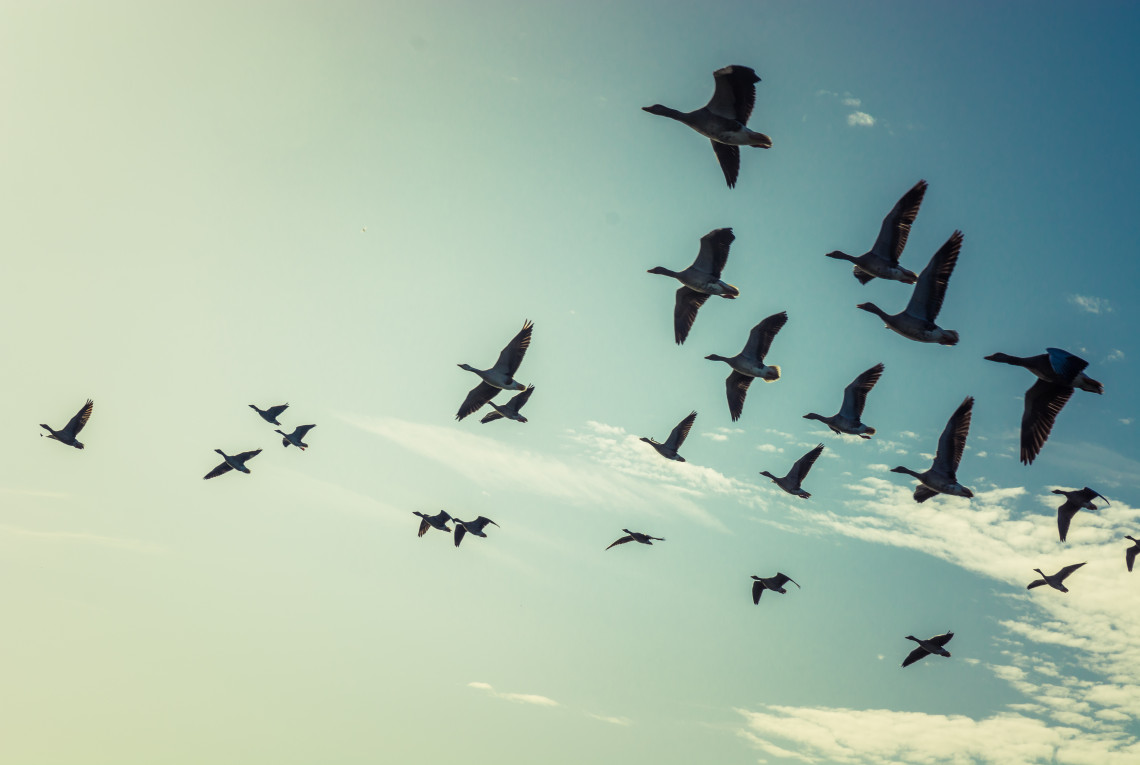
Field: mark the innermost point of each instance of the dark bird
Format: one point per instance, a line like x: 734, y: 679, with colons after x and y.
x: 849, y: 418
x: 271, y: 414
x: 295, y: 438
x: 749, y: 363
x: 917, y: 320
x: 1056, y: 581
x: 232, y: 462
x: 437, y: 521
x: 69, y: 431
x: 942, y: 477
x: 791, y: 482
x: 1130, y: 553
x: 635, y: 536
x: 677, y: 437
x: 475, y: 527
x: 511, y: 410
x: 700, y: 280
x: 1076, y: 500
x: 500, y: 376
x: 723, y: 119
x: 1059, y: 373
x: 882, y: 260
x: 927, y: 647
x: 774, y: 583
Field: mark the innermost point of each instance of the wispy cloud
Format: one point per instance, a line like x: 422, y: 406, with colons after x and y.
x: 852, y: 101
x: 1115, y: 355
x: 79, y: 537
x: 519, y: 698
x: 623, y: 721
x: 860, y: 119
x: 856, y: 118
x: 1091, y: 304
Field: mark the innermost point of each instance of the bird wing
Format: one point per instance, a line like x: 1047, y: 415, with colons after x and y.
x: 247, y: 455
x: 223, y: 468
x: 952, y: 442
x: 512, y: 355
x: 1043, y: 401
x: 301, y: 430
x: 713, y: 254
x: 757, y: 590
x: 1065, y: 515
x: 735, y: 93
x: 274, y: 411
x: 896, y: 226
x: 861, y: 275
x: 942, y: 639
x: 491, y: 417
x: 480, y: 523
x: 923, y: 493
x: 424, y: 526
x: 782, y: 578
x: 476, y: 397
x: 760, y: 338
x: 855, y: 394
x: 1088, y: 494
x: 685, y: 312
x: 926, y: 300
x: 1065, y: 364
x: 1036, y: 583
x: 915, y: 655
x: 76, y: 423
x: 460, y: 532
x: 729, y: 158
x: 803, y: 464
x: 737, y: 388
x: 622, y: 541
x: 1130, y: 556
x: 1064, y: 573
x: 519, y: 399
x: 681, y: 432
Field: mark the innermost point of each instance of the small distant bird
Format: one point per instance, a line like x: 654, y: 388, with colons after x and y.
x: 1056, y: 581
x: 295, y: 438
x: 475, y: 527
x: 437, y: 521
x: 774, y: 583
x: 700, y: 280
x: 848, y: 420
x: 71, y: 429
x: 1059, y: 373
x: 668, y: 450
x: 1130, y: 553
x: 749, y: 363
x: 723, y: 119
x: 882, y: 260
x: 232, y: 462
x: 927, y: 647
x: 942, y: 477
x: 511, y: 410
x: 271, y: 414
x: 635, y: 536
x: 499, y: 377
x: 916, y: 321
x: 1076, y: 500
x: 791, y: 482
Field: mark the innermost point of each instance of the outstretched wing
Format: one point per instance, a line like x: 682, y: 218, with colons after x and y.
x: 1065, y: 515
x: 713, y: 255
x: 737, y: 388
x: 729, y: 158
x: 491, y: 417
x: 301, y: 430
x: 952, y: 442
x: 941, y: 640
x: 223, y: 468
x: 247, y: 455
x: 1130, y: 556
x: 685, y: 312
x: 76, y: 423
x: 923, y: 493
x: 681, y: 432
x: 476, y: 397
x: 926, y: 300
x: 896, y: 226
x: 1063, y: 573
x: 512, y: 355
x: 915, y: 655
x: 1088, y: 495
x: 735, y: 93
x: 855, y: 394
x: 519, y: 399
x: 782, y: 579
x: 1043, y: 402
x: 760, y: 338
x: 460, y: 532
x: 622, y: 541
x: 757, y: 590
x: 1065, y: 364
x: 274, y: 411
x: 803, y: 465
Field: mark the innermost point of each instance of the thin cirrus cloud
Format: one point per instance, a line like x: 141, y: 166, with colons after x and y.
x: 519, y: 698
x: 1091, y: 304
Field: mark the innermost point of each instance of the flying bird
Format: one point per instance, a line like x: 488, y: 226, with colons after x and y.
x: 668, y: 450
x: 942, y: 477
x: 749, y: 363
x: 437, y: 521
x: 916, y: 321
x: 882, y: 260
x: 500, y: 376
x: 723, y: 119
x: 271, y: 414
x: 774, y: 583
x: 67, y: 434
x: 791, y: 482
x: 849, y: 418
x: 1076, y: 500
x: 511, y: 410
x: 295, y: 438
x: 475, y: 527
x: 636, y: 536
x: 1056, y: 581
x: 1059, y: 373
x: 1130, y: 553
x: 232, y: 462
x: 700, y: 280
x: 927, y: 647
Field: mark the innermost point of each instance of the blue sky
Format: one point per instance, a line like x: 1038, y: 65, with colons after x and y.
x: 212, y: 205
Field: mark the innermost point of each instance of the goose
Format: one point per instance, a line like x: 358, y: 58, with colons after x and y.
x: 791, y: 482
x: 927, y: 647
x: 668, y: 450
x: 636, y: 536
x: 1075, y: 501
x: 232, y: 462
x: 1130, y: 553
x: 475, y: 527
x: 67, y: 434
x: 700, y: 280
x: 749, y: 363
x: 916, y: 321
x: 1059, y: 373
x: 437, y: 521
x: 1056, y: 581
x: 271, y: 414
x: 882, y: 260
x: 854, y: 398
x: 500, y: 376
x: 295, y: 438
x: 774, y: 583
x: 722, y: 120
x: 511, y: 410
x: 942, y: 476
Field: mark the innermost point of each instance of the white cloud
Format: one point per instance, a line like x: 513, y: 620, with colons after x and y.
x: 715, y: 436
x: 852, y: 101
x: 1126, y: 420
x: 623, y: 721
x: 770, y: 448
x: 1091, y: 304
x: 1115, y: 355
x: 520, y: 698
x: 860, y: 119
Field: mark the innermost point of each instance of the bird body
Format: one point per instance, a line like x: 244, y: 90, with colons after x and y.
x: 295, y: 438
x: 791, y: 482
x: 700, y: 280
x: 511, y: 410
x: 232, y: 462
x: 774, y: 583
x: 474, y: 527
x: 635, y: 536
x: 849, y: 418
x: 749, y: 363
x: 1075, y: 501
x: 882, y: 260
x: 437, y: 521
x: 927, y: 647
x: 271, y: 414
x: 1056, y: 581
x: 677, y: 436
x: 942, y: 477
x: 67, y: 434
x: 498, y: 377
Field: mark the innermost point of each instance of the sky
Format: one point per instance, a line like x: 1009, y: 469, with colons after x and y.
x: 210, y: 205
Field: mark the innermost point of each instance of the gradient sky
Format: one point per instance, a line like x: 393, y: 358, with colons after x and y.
x: 215, y: 204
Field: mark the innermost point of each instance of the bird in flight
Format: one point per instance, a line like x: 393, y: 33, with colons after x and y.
x: 668, y: 450
x: 791, y: 482
x: 232, y: 462
x: 749, y: 363
x: 942, y: 477
x: 270, y: 415
x: 67, y: 434
x: 700, y: 280
x: 475, y: 527
x: 636, y: 536
x: 882, y: 260
x: 498, y: 377
x: 295, y: 438
x: 927, y: 647
x: 774, y: 583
